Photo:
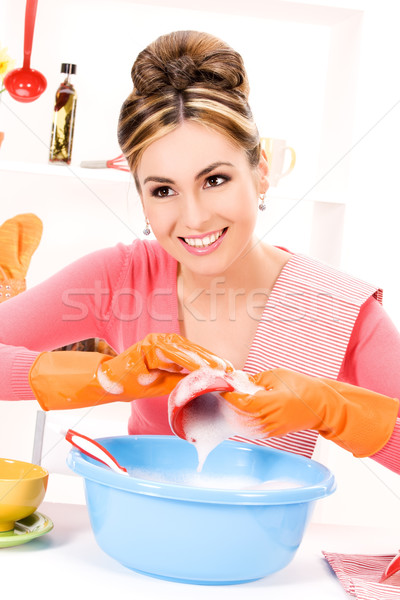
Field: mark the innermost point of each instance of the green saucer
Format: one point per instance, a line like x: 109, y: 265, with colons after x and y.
x: 26, y: 530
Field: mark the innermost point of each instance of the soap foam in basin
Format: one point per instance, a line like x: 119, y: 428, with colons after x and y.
x: 222, y: 482
x: 208, y: 420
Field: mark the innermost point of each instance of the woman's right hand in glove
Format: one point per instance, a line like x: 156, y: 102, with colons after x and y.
x: 152, y: 367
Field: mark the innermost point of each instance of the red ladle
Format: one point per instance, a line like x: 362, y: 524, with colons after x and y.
x: 26, y: 84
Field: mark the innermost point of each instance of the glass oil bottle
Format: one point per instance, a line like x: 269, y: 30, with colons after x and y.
x: 62, y: 132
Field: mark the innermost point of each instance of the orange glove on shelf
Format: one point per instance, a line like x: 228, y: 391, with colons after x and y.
x: 19, y: 238
x: 356, y: 419
x: 152, y: 367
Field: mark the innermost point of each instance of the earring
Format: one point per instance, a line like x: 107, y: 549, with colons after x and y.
x: 147, y: 230
x: 262, y: 206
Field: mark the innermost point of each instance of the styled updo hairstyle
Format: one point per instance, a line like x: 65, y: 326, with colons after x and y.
x: 187, y: 75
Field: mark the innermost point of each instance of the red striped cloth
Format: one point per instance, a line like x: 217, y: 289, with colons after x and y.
x: 306, y: 326
x: 359, y: 574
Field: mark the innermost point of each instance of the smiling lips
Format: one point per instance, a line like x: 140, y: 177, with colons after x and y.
x: 203, y: 245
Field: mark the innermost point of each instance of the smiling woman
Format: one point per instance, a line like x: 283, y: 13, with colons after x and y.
x: 208, y: 209
x: 301, y: 331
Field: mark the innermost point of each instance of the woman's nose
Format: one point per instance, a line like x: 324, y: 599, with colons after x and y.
x: 195, y: 212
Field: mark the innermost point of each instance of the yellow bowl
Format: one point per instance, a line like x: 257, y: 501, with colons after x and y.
x: 22, y: 489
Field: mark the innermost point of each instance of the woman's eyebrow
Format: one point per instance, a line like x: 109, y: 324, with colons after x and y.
x: 212, y: 167
x: 198, y: 176
x: 158, y: 179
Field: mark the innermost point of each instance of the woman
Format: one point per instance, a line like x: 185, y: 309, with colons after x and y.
x: 193, y: 148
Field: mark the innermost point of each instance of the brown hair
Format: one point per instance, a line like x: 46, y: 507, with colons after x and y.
x: 187, y: 75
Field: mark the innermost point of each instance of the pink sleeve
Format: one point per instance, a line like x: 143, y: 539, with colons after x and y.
x: 389, y: 456
x: 72, y: 305
x: 372, y: 361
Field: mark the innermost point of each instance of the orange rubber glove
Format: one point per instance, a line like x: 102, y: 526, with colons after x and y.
x: 356, y: 419
x: 19, y: 238
x: 152, y: 367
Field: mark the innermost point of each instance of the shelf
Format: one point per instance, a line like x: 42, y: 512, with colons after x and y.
x: 66, y: 171
x: 292, y: 107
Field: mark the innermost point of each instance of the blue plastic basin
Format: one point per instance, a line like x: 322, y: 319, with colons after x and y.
x: 194, y: 534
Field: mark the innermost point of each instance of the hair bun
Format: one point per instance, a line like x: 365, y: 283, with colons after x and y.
x: 224, y: 69
x: 182, y: 72
x: 187, y: 76
x: 186, y: 59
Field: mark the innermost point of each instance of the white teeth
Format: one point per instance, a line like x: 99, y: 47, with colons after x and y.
x: 205, y: 241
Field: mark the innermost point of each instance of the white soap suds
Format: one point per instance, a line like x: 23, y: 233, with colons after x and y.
x: 242, y: 384
x: 160, y: 354
x: 206, y: 377
x: 208, y: 420
x: 194, y: 358
x: 174, y: 367
x: 112, y: 387
x: 147, y: 379
x: 193, y: 384
x: 222, y: 482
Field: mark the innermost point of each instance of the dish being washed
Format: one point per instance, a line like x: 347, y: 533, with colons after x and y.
x: 199, y: 414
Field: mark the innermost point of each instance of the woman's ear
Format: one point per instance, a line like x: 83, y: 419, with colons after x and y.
x: 263, y: 171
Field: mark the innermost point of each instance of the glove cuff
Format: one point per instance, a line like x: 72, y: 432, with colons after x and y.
x: 366, y: 422
x: 58, y: 379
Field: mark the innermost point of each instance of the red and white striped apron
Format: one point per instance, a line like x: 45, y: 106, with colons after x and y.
x: 306, y: 326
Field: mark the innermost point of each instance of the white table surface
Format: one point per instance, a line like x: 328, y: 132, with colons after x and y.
x: 67, y: 563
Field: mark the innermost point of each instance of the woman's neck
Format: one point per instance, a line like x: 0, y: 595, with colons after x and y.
x: 222, y: 312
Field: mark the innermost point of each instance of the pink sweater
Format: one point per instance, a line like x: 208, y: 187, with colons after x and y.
x: 120, y: 294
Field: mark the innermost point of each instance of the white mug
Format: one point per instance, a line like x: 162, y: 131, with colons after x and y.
x: 276, y: 151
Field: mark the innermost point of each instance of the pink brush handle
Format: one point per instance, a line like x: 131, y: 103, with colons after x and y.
x: 93, y: 449
x: 30, y: 16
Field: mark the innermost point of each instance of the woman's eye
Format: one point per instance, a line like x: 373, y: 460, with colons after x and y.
x: 215, y: 180
x: 162, y: 192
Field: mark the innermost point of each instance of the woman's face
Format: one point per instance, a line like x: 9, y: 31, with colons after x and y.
x: 201, y: 197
